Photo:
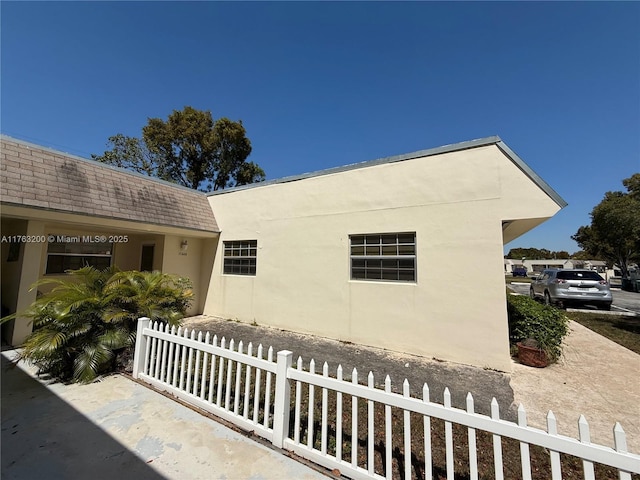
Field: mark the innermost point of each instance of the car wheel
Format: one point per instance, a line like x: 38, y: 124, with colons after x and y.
x: 604, y: 306
x: 547, y: 299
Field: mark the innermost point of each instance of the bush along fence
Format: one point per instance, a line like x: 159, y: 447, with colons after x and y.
x: 363, y: 431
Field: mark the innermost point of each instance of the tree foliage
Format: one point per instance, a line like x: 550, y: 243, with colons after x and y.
x: 536, y: 254
x: 86, y: 317
x: 614, y: 233
x: 189, y: 148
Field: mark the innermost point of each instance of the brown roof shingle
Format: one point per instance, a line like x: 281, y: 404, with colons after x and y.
x: 35, y: 176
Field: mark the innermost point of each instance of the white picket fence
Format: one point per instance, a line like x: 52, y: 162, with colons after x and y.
x: 255, y: 393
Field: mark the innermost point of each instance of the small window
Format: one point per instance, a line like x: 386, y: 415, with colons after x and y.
x: 240, y: 257
x: 66, y: 252
x: 385, y: 257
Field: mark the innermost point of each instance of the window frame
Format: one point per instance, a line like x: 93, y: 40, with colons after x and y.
x: 245, y: 262
x: 377, y: 257
x: 68, y: 253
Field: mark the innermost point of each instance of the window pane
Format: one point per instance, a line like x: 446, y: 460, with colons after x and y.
x: 406, y: 250
x: 406, y: 238
x: 407, y: 275
x: 389, y: 264
x: 374, y: 274
x: 389, y: 256
x: 389, y: 275
x: 389, y: 250
x: 372, y: 239
x: 357, y: 240
x: 358, y: 273
x: 55, y: 264
x: 373, y: 251
x: 387, y: 239
x: 406, y: 263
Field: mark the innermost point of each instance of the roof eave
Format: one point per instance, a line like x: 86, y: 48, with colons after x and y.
x: 535, y: 178
x: 480, y: 142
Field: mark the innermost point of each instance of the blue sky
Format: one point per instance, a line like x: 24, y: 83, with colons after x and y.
x: 324, y: 84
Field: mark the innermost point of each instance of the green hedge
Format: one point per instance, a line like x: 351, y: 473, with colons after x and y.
x: 529, y: 319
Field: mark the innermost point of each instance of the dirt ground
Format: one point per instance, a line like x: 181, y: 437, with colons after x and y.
x: 460, y: 379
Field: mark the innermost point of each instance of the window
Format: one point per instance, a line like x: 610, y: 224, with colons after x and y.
x: 65, y: 252
x: 240, y: 257
x: 387, y: 256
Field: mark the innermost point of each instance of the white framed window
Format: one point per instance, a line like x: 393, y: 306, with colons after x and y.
x: 67, y: 252
x: 383, y: 256
x: 240, y: 257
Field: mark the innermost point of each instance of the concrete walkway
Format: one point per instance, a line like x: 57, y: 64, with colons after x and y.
x: 596, y: 378
x: 118, y: 428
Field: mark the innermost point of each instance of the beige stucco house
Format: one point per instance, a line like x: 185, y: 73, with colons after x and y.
x: 61, y: 212
x: 370, y: 253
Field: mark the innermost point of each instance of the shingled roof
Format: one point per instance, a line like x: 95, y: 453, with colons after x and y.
x: 38, y: 177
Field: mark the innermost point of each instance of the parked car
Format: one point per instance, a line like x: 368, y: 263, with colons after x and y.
x: 519, y: 272
x: 565, y: 287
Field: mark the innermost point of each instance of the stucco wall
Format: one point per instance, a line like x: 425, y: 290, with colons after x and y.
x: 17, y: 277
x: 454, y: 202
x: 198, y: 257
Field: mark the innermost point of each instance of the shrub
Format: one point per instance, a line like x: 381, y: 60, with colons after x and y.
x: 531, y: 320
x: 91, y: 314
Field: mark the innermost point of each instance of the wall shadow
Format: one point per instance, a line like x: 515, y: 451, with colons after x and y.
x: 45, y: 437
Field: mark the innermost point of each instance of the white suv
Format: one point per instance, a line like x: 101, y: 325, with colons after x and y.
x: 585, y: 287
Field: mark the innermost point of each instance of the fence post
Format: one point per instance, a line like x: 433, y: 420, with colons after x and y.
x: 141, y: 346
x: 282, y: 403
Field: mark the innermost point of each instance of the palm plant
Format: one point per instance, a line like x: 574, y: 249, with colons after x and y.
x: 86, y: 317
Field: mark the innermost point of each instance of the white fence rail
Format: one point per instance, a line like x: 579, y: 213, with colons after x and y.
x: 347, y: 426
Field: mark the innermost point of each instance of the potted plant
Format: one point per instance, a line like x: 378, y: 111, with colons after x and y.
x: 536, y: 330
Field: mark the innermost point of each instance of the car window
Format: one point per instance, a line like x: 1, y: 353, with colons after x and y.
x: 579, y: 275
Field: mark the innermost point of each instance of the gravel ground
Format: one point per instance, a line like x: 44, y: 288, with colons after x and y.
x: 460, y: 379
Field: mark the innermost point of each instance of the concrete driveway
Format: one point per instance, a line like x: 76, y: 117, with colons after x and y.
x: 595, y: 377
x: 119, y: 429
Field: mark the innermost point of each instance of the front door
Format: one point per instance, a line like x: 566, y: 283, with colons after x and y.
x: 146, y: 259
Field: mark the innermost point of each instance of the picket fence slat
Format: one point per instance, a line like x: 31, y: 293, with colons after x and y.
x: 339, y: 417
x: 370, y: 428
x: 387, y: 432
x: 354, y: 421
x: 325, y: 412
x: 448, y: 435
x: 497, y: 443
x: 406, y: 391
x: 267, y: 391
x: 471, y: 436
x: 296, y: 421
x: 428, y: 469
x: 312, y: 369
x: 199, y: 371
x: 525, y: 458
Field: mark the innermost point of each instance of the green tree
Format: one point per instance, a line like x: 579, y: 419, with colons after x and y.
x: 88, y: 316
x: 189, y: 148
x: 614, y: 233
x: 530, y: 253
x: 130, y: 153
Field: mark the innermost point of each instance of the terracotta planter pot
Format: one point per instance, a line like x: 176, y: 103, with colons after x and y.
x: 532, y: 356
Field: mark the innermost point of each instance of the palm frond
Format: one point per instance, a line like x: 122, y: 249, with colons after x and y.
x: 88, y: 362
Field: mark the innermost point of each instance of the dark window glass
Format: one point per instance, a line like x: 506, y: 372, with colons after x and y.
x: 389, y: 256
x: 240, y: 257
x: 73, y: 252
